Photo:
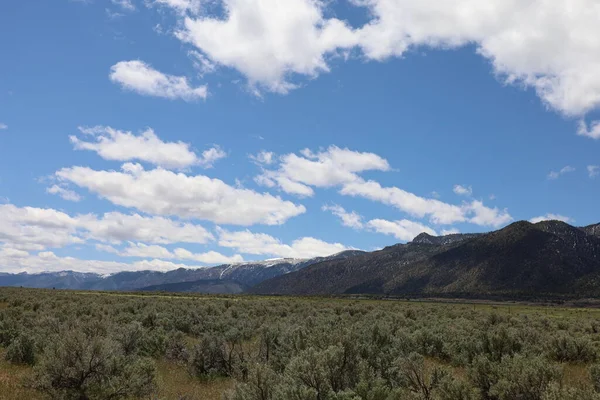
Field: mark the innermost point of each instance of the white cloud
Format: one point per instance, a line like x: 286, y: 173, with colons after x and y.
x: 550, y: 217
x: 202, y: 63
x: 439, y: 212
x: 142, y: 250
x: 551, y: 46
x: 452, y: 231
x: 267, y: 40
x: 263, y: 158
x: 163, y: 192
x: 3, y: 126
x: 328, y: 168
x: 402, y: 230
x: 558, y: 174
x: 66, y: 194
x: 142, y: 78
x: 262, y: 244
x: 463, y: 190
x: 593, y: 170
x: 30, y: 228
x: 16, y: 261
x: 592, y: 132
x: 112, y: 144
x: 124, y: 4
x: 479, y: 214
x: 349, y: 219
x: 181, y: 6
x: 115, y: 227
x: 296, y: 174
x: 211, y: 156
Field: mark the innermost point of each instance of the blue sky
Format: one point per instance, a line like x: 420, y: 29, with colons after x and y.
x: 157, y: 134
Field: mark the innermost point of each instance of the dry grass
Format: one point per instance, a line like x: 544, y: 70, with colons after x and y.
x: 12, y: 378
x: 576, y: 375
x: 175, y: 383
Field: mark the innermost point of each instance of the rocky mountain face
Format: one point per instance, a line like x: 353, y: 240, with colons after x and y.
x: 238, y: 276
x: 523, y: 259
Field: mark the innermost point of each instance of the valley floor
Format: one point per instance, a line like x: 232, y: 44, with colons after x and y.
x: 182, y: 346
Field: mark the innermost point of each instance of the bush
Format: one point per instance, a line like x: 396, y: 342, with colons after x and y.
x: 79, y: 367
x: 524, y: 378
x: 21, y: 350
x: 566, y: 348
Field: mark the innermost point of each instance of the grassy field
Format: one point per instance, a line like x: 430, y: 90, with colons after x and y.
x: 172, y: 346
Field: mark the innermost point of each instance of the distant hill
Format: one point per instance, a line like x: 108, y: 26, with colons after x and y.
x: 243, y: 274
x: 523, y: 259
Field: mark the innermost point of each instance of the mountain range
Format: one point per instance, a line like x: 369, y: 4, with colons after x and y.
x: 228, y: 278
x: 549, y: 258
x: 522, y: 260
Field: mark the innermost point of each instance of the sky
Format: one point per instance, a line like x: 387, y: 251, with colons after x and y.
x: 160, y: 134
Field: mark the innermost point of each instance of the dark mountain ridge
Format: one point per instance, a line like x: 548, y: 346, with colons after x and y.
x: 547, y: 257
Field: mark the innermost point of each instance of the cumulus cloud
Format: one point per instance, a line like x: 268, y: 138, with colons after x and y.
x: 593, y: 170
x: 140, y: 77
x: 563, y: 171
x: 268, y: 40
x: 30, y: 228
x: 64, y: 193
x: 451, y: 231
x: 593, y: 131
x: 335, y: 167
x: 124, y: 4
x: 463, y: 190
x: 263, y: 158
x: 113, y: 144
x: 550, y: 217
x: 16, y: 261
x: 163, y: 192
x: 350, y: 219
x: 551, y: 46
x: 142, y: 250
x: 115, y: 227
x: 327, y: 168
x: 211, y: 156
x: 262, y: 244
x: 182, y: 6
x: 402, y: 230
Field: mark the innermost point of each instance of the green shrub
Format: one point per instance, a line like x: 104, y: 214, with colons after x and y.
x: 21, y: 350
x: 77, y: 366
x: 566, y: 348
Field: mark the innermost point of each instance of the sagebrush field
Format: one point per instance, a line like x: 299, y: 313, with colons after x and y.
x: 87, y: 345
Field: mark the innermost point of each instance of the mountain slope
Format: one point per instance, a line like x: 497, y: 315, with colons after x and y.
x: 208, y: 286
x: 548, y: 257
x: 245, y: 274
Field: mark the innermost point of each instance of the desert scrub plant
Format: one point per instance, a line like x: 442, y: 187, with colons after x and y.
x: 261, y: 385
x: 556, y: 392
x: 524, y: 378
x: 454, y: 389
x: 566, y: 348
x: 412, y: 375
x: 81, y: 367
x: 21, y: 350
